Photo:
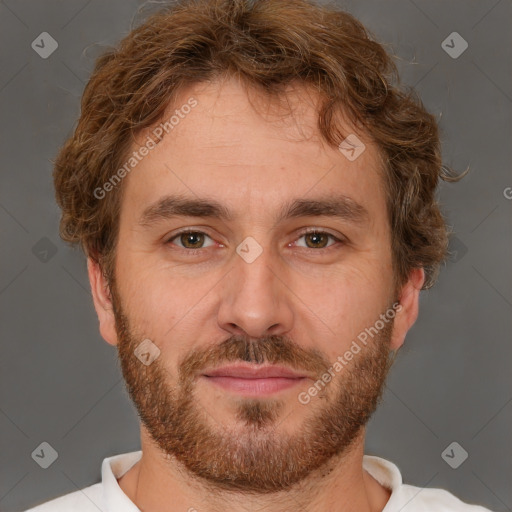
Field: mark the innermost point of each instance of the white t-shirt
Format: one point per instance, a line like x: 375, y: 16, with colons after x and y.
x: 107, y: 496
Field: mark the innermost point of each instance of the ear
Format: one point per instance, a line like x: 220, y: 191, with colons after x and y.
x: 407, y: 312
x: 102, y: 302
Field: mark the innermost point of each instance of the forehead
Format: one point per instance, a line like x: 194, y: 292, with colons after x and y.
x: 224, y: 141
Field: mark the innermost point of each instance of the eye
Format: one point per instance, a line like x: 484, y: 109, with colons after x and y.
x: 195, y: 240
x: 316, y: 239
x: 190, y: 240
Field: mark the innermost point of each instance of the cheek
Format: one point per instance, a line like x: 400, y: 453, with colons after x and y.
x: 342, y: 305
x: 164, y: 305
x: 145, y: 293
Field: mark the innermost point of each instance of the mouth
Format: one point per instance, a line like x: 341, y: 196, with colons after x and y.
x: 251, y: 380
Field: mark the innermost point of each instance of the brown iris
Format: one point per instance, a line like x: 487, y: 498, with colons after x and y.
x: 195, y: 239
x: 317, y: 237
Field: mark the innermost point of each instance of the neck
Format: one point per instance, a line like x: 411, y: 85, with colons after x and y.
x: 155, y: 481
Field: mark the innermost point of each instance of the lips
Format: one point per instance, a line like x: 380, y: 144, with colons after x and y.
x: 250, y: 380
x: 254, y: 372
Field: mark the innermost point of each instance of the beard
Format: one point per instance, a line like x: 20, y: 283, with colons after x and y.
x: 254, y: 456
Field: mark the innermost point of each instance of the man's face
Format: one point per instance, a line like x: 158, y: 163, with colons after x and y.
x: 284, y: 299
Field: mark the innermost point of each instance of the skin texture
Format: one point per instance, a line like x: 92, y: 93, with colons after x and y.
x: 299, y: 304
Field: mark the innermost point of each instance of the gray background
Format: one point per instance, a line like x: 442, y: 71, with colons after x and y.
x: 60, y: 382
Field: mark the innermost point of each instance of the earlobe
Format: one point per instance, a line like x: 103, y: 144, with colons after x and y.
x: 407, y: 313
x: 102, y: 302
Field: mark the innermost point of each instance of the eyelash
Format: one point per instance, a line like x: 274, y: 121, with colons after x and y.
x: 308, y: 231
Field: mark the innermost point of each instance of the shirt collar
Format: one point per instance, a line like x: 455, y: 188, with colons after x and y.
x: 112, y: 469
x: 388, y: 475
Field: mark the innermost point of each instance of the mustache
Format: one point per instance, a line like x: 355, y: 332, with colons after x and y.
x: 269, y: 349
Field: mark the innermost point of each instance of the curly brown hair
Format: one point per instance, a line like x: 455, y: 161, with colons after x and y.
x: 267, y: 44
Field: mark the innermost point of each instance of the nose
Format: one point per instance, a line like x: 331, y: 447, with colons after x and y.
x: 255, y: 300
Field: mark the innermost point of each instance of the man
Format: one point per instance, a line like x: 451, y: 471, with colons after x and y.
x: 256, y: 199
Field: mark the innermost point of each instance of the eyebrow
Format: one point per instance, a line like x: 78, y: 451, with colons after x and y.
x: 338, y: 206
